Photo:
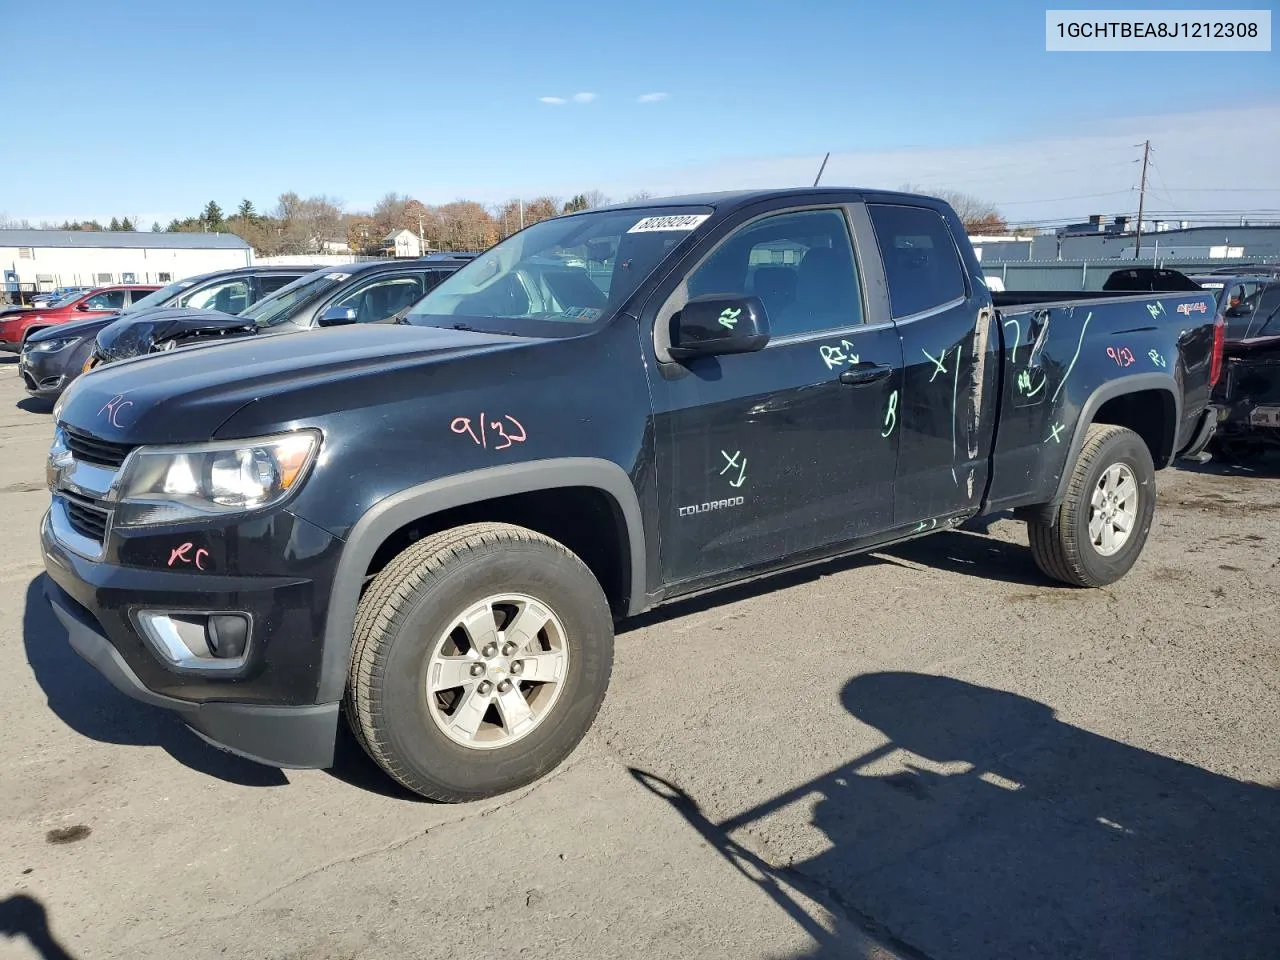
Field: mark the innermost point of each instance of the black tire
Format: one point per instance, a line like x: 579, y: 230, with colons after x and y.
x: 1062, y: 548
x: 409, y: 605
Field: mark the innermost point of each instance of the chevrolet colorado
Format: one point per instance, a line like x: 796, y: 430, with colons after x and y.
x: 430, y: 527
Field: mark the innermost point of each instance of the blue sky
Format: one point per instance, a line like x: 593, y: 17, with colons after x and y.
x: 160, y: 107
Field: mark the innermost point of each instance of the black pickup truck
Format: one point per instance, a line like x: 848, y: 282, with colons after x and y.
x: 430, y: 527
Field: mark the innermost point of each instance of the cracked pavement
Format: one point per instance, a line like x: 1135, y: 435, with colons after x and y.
x: 930, y: 752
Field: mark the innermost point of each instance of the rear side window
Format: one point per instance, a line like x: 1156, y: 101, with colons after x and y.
x: 273, y: 282
x: 920, y: 259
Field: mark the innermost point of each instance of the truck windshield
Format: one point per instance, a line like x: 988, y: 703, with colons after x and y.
x: 561, y: 276
x: 288, y: 300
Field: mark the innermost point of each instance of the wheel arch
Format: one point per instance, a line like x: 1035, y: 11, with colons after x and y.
x: 1147, y: 403
x: 381, y: 523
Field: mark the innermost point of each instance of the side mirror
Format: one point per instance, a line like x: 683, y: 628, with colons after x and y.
x: 718, y: 324
x: 82, y: 306
x: 337, y: 317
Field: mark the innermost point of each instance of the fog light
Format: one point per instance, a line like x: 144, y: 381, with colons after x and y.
x: 228, y: 634
x: 197, y: 641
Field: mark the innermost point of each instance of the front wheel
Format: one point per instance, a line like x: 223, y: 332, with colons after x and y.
x: 480, y: 659
x: 1099, y: 530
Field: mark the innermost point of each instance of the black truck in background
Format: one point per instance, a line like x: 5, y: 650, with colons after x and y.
x: 429, y: 527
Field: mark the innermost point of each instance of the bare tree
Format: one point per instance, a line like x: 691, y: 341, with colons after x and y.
x: 595, y: 199
x: 977, y: 215
x: 640, y: 195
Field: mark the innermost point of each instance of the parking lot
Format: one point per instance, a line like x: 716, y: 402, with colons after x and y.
x: 929, y: 752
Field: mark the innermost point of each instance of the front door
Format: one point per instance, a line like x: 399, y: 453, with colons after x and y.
x: 763, y: 456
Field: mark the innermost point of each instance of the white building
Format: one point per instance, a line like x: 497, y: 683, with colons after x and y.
x: 402, y: 243
x: 42, y: 260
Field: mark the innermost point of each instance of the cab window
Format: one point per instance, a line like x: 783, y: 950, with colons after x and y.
x: 231, y: 296
x: 799, y: 264
x: 383, y: 297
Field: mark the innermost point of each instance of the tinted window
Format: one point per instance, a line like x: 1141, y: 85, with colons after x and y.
x: 920, y: 259
x: 800, y: 265
x: 272, y: 283
x: 433, y: 277
x: 230, y: 296
x: 383, y: 297
x: 107, y: 300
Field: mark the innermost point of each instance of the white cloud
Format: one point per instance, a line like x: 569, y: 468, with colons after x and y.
x: 583, y: 97
x: 1078, y: 172
x: 555, y: 101
x: 650, y: 97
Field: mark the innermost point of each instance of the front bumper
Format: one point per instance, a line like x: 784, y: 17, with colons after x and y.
x: 265, y: 711
x: 292, y: 736
x: 44, y: 374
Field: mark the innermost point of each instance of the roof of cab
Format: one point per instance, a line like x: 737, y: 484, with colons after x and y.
x: 727, y: 200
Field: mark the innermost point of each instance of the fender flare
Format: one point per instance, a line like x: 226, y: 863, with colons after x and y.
x: 1134, y: 383
x: 395, y: 511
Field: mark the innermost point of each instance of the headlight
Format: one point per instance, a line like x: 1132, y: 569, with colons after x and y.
x: 211, y: 479
x: 51, y: 346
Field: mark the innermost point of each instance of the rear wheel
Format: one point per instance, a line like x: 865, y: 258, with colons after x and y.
x: 1099, y: 530
x: 481, y: 657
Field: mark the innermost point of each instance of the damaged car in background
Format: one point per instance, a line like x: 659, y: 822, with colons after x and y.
x: 1248, y: 395
x: 330, y: 297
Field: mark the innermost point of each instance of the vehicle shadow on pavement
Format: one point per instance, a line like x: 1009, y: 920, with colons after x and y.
x: 971, y: 553
x: 974, y: 555
x: 88, y: 704
x: 25, y: 916
x: 1264, y: 465
x: 35, y: 405
x: 987, y: 827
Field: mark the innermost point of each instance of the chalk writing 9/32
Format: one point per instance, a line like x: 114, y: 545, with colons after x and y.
x: 483, y: 425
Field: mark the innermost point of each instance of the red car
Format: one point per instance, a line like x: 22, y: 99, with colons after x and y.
x: 14, y: 327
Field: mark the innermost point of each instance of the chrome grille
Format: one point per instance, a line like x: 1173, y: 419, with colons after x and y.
x: 87, y: 517
x: 91, y: 449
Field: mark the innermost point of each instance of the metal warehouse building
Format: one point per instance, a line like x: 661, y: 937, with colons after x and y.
x: 35, y: 261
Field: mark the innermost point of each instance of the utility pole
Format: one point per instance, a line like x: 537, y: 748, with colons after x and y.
x: 422, y: 246
x: 521, y: 213
x: 1142, y: 196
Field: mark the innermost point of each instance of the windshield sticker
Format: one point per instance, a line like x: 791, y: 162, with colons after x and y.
x: 683, y: 221
x: 337, y: 276
x: 585, y: 314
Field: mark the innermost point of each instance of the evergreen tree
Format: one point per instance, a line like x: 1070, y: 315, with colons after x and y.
x: 246, y: 211
x: 114, y: 224
x: 127, y: 224
x: 212, y: 216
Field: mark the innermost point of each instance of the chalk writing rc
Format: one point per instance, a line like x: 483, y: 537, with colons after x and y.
x: 1155, y: 309
x: 729, y: 317
x: 1156, y: 358
x: 113, y: 408
x: 183, y: 553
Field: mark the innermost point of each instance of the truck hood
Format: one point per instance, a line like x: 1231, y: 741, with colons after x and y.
x: 186, y: 395
x: 137, y: 334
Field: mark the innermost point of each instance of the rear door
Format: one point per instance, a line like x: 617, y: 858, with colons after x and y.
x: 950, y: 350
x: 765, y: 456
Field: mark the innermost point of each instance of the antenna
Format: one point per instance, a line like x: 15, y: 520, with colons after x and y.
x: 1142, y: 196
x: 821, y: 168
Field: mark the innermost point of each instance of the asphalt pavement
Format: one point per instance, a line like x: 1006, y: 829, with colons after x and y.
x: 930, y: 752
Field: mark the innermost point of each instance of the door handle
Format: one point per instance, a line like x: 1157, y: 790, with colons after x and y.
x: 865, y: 372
